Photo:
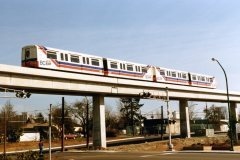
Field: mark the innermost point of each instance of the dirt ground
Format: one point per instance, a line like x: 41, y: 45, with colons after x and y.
x: 18, y: 146
x: 178, y: 144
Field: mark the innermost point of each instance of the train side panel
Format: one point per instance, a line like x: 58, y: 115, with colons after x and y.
x: 50, y: 58
x: 172, y: 76
x: 200, y: 80
x: 123, y: 69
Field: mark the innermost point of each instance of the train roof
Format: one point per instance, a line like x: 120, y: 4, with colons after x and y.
x: 197, y: 74
x: 126, y: 62
x: 65, y: 51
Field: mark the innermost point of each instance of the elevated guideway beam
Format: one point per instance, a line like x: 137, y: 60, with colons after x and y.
x: 57, y: 82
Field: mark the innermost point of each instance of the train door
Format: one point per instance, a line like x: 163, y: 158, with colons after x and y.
x: 189, y: 79
x: 85, y: 64
x: 105, y: 66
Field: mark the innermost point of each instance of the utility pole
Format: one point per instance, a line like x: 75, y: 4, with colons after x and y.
x: 63, y: 117
x: 132, y: 119
x: 207, y: 115
x: 87, y: 124
x: 161, y: 122
x: 50, y: 132
x: 5, y: 134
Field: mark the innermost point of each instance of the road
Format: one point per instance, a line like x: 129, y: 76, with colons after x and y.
x: 101, y: 155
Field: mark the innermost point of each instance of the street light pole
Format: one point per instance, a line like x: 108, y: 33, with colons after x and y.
x: 63, y: 117
x: 50, y: 132
x: 228, y: 102
x: 5, y: 134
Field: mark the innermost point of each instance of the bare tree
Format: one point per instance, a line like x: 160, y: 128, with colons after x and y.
x: 112, y: 119
x: 214, y: 114
x: 8, y: 108
x: 82, y: 111
x: 10, y: 113
x: 57, y: 119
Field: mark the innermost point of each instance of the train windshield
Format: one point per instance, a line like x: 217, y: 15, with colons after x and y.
x: 29, y: 56
x: 28, y: 53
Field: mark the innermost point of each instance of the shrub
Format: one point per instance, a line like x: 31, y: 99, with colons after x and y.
x: 111, y: 133
x: 30, y: 155
x: 7, y: 157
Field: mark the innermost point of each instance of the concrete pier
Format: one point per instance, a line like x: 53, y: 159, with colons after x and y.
x: 99, y: 129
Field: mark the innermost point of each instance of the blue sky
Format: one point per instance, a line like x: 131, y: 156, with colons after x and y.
x: 183, y: 35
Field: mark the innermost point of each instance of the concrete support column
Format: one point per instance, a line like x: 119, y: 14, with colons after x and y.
x: 233, y: 107
x: 184, y: 119
x: 99, y: 129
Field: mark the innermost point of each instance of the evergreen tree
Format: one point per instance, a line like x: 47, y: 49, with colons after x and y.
x: 130, y: 111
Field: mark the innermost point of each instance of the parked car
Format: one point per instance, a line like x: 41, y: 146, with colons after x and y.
x: 70, y: 136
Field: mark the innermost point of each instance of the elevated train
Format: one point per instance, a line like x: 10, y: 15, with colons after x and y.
x: 55, y: 59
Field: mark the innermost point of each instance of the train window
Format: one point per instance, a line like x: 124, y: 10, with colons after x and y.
x: 180, y: 75
x: 95, y: 62
x: 121, y: 66
x: 184, y: 75
x: 51, y: 55
x: 66, y: 57
x: 75, y: 59
x: 62, y: 57
x: 130, y: 67
x: 162, y: 72
x: 168, y: 73
x: 139, y: 70
x: 144, y: 70
x: 202, y: 78
x: 194, y: 77
x: 211, y: 79
x: 114, y: 65
x: 124, y: 66
x: 174, y: 74
x: 87, y: 60
x: 84, y: 60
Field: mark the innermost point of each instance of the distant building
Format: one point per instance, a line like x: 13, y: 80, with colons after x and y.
x: 153, y: 125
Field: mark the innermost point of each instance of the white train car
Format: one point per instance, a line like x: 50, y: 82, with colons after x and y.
x: 166, y: 75
x: 172, y: 76
x: 123, y: 69
x: 202, y: 80
x: 56, y: 59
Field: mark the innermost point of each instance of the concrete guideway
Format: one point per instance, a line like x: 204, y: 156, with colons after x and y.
x: 58, y: 82
x: 66, y: 83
